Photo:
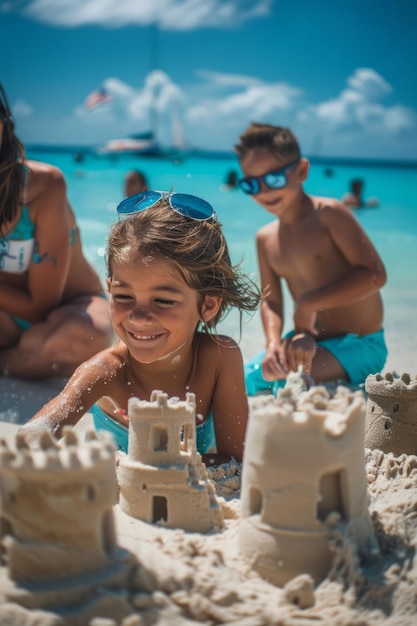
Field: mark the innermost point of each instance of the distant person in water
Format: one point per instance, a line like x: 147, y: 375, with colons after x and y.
x: 230, y: 181
x: 354, y: 199
x: 53, y: 311
x: 135, y: 182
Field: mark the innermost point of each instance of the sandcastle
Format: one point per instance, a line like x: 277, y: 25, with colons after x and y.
x: 56, y: 522
x: 163, y: 479
x: 57, y: 531
x: 391, y: 413
x: 304, y: 473
x: 304, y: 484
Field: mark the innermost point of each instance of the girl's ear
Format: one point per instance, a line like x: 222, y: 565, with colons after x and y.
x: 210, y: 308
x: 108, y: 282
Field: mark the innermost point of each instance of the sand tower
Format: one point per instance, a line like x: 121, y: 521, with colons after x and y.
x: 163, y: 479
x: 391, y: 414
x: 56, y: 521
x: 304, y: 468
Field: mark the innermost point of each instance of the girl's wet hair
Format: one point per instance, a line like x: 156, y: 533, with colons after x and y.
x: 197, y: 249
x: 12, y: 153
x: 278, y: 140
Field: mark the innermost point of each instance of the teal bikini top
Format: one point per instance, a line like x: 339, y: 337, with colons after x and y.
x: 16, y: 248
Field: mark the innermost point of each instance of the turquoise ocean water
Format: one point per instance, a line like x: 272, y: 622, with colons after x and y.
x: 95, y: 186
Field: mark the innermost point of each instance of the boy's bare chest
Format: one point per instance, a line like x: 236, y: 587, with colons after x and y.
x: 302, y: 250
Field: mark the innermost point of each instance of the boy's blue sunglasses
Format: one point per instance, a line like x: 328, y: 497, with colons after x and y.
x: 190, y: 206
x: 274, y: 180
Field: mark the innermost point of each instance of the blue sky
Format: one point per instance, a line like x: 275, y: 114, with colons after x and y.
x: 341, y: 75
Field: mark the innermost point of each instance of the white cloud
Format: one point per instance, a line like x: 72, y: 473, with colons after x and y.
x: 130, y: 110
x: 369, y: 83
x: 210, y: 113
x: 222, y: 110
x: 21, y: 108
x: 179, y: 15
x: 213, y: 111
x: 358, y: 108
x: 399, y: 118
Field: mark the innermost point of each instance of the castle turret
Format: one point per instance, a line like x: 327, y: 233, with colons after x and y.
x: 304, y: 466
x: 56, y: 520
x: 163, y: 479
x: 391, y: 413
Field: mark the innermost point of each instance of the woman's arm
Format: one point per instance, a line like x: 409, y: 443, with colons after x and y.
x: 49, y: 267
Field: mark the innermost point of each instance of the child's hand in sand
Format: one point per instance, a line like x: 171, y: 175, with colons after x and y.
x: 274, y: 364
x: 301, y: 349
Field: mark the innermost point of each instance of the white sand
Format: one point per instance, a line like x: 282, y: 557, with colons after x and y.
x: 191, y: 578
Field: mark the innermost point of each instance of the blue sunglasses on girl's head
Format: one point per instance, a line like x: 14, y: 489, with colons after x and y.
x: 274, y: 180
x: 190, y: 206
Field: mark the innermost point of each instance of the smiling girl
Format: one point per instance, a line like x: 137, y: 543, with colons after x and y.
x: 170, y: 281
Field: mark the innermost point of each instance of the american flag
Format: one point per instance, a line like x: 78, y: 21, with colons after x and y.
x: 98, y: 97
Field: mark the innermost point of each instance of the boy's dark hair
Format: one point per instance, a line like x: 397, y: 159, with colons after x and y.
x: 12, y: 153
x: 277, y: 139
x: 198, y: 249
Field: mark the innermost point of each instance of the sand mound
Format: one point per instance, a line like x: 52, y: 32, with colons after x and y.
x: 190, y: 578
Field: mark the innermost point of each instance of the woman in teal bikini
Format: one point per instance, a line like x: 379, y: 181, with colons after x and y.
x: 53, y: 315
x: 170, y: 282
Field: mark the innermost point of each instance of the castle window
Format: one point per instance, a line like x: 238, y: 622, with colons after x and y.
x: 255, y: 500
x: 89, y: 492
x: 186, y: 437
x: 159, y: 509
x: 160, y: 438
x: 331, y: 490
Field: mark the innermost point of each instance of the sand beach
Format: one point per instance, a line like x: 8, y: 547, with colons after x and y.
x: 181, y: 578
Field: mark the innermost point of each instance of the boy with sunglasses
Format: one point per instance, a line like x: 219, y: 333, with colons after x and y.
x: 331, y: 268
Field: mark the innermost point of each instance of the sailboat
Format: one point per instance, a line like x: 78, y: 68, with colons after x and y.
x: 146, y: 142
x: 141, y: 143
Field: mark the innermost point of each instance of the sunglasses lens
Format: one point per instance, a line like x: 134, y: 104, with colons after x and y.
x: 276, y: 180
x: 249, y: 185
x: 139, y: 202
x: 191, y: 206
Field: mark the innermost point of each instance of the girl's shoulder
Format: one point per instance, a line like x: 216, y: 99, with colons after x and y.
x: 216, y: 347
